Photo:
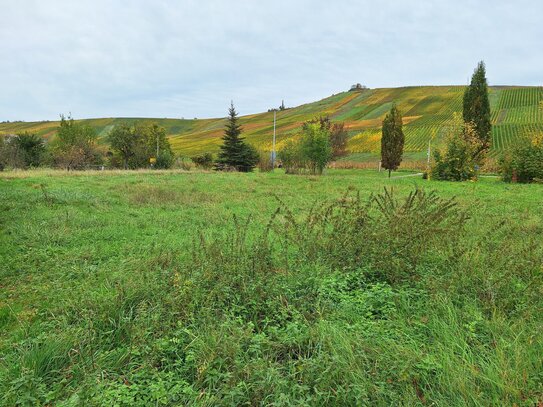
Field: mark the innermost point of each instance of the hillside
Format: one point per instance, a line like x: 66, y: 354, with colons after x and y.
x: 428, y: 112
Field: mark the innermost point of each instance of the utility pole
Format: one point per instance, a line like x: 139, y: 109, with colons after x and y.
x: 273, y: 143
x: 429, y: 151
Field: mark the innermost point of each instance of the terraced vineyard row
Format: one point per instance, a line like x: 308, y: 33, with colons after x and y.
x: 519, y: 106
x: 519, y: 97
x: 417, y: 137
x: 503, y: 136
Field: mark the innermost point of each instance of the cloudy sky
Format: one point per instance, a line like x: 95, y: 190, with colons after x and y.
x: 184, y: 58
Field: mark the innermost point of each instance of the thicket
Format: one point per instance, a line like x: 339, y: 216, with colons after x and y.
x: 524, y: 163
x: 204, y: 161
x: 459, y: 160
x: 310, y: 151
x: 23, y: 150
x: 139, y: 146
x: 337, y: 133
x: 76, y: 146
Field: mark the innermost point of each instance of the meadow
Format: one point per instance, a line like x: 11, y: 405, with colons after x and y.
x: 193, y: 288
x: 428, y: 113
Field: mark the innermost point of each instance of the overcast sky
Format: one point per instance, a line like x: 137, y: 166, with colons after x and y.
x: 190, y: 58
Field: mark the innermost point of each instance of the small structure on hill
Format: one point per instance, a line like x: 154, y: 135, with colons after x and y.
x: 358, y: 86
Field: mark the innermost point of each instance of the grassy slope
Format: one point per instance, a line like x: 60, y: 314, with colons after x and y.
x: 91, y: 304
x: 427, y: 110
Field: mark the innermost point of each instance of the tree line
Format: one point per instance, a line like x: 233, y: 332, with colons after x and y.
x: 76, y: 146
x: 308, y: 151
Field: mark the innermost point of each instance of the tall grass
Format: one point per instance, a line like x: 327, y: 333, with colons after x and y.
x: 400, y: 297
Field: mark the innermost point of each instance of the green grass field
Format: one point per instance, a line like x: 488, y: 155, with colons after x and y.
x: 428, y: 114
x: 109, y: 297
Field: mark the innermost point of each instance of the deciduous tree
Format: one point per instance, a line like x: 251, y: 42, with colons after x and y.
x: 74, y: 146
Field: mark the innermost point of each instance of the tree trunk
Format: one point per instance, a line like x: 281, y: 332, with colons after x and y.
x: 389, y: 171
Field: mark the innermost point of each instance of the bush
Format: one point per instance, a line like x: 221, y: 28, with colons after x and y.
x: 183, y: 163
x: 311, y: 151
x: 265, y: 163
x: 291, y: 157
x: 460, y: 161
x: 135, y: 146
x: 525, y: 161
x: 315, y: 148
x: 337, y: 133
x: 165, y: 160
x: 23, y: 150
x: 75, y: 145
x: 384, y: 233
x: 204, y: 161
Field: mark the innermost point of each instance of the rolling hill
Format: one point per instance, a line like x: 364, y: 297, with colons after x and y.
x: 428, y: 113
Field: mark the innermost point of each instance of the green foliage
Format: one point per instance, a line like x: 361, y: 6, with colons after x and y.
x: 136, y: 144
x: 234, y: 152
x: 204, y: 161
x: 476, y: 109
x: 184, y: 163
x: 384, y: 232
x: 75, y: 145
x: 290, y: 156
x: 311, y: 150
x: 124, y: 142
x: 24, y: 150
x: 525, y: 162
x: 392, y: 140
x: 460, y: 161
x: 337, y: 133
x: 135, y: 289
x: 164, y: 160
x: 265, y: 163
x: 315, y: 148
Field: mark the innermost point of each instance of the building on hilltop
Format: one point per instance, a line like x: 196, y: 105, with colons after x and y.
x: 358, y: 86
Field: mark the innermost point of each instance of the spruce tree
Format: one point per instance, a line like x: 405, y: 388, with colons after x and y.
x: 392, y: 140
x: 477, y: 108
x: 234, y: 152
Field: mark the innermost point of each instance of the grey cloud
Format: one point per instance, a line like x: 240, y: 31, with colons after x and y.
x: 189, y: 58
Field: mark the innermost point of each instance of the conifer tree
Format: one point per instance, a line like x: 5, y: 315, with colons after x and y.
x: 234, y: 152
x: 476, y: 109
x: 392, y: 140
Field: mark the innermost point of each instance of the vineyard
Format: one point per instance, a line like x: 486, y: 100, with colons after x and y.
x: 428, y: 111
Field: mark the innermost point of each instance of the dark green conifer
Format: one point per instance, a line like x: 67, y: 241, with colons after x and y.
x: 392, y: 140
x: 234, y: 152
x: 477, y: 108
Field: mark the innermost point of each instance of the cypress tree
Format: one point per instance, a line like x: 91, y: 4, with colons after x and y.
x: 234, y: 152
x: 392, y: 140
x: 477, y: 108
